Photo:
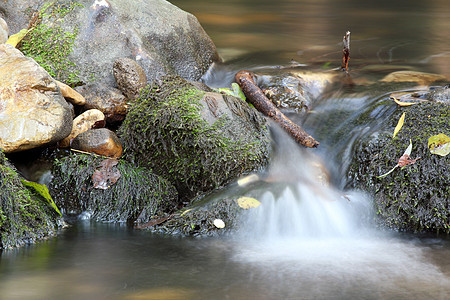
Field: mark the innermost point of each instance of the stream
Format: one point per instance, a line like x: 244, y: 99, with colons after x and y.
x: 307, y: 240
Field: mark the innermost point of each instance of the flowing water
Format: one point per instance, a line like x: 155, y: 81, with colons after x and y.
x: 309, y: 239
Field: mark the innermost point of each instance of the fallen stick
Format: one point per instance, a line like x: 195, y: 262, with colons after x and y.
x: 254, y: 94
x: 346, y: 51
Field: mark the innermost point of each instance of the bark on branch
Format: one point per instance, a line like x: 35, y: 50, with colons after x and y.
x: 264, y: 105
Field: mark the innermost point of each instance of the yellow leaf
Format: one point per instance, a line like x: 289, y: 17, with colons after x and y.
x: 248, y: 179
x: 219, y: 223
x: 16, y: 38
x: 439, y: 144
x: 186, y: 211
x: 400, y: 103
x: 248, y: 202
x: 399, y: 124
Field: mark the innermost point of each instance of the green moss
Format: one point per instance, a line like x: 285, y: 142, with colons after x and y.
x: 415, y: 197
x: 165, y: 130
x: 49, y: 45
x: 137, y: 196
x: 23, y: 218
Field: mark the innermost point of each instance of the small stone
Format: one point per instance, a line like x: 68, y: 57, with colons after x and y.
x: 130, y: 77
x: 4, y: 32
x: 101, y: 141
x: 110, y: 101
x: 82, y: 123
x: 70, y: 94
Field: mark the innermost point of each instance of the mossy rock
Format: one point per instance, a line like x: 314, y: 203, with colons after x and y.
x: 24, y: 217
x: 197, y: 139
x: 415, y: 197
x: 136, y: 197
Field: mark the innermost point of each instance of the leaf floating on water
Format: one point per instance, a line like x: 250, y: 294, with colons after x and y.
x: 399, y: 124
x: 106, y: 175
x: 403, y: 104
x: 248, y: 202
x: 219, y: 223
x: 439, y: 144
x: 42, y: 190
x: 16, y: 38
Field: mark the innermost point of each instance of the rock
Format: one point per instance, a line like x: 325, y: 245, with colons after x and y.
x: 110, y: 101
x: 33, y: 112
x: 198, y: 140
x: 101, y: 141
x: 70, y: 94
x: 4, y: 31
x: 413, y: 76
x: 24, y: 217
x: 130, y: 77
x: 82, y: 123
x: 137, y: 197
x: 161, y: 37
x: 416, y: 197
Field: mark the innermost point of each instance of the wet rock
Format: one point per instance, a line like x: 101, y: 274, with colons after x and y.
x: 161, y: 37
x: 137, y: 197
x: 101, y: 141
x: 4, y: 31
x: 82, y: 123
x: 70, y: 94
x: 110, y: 101
x: 33, y: 112
x: 198, y: 140
x: 413, y: 76
x: 130, y: 77
x: 416, y: 197
x: 24, y: 217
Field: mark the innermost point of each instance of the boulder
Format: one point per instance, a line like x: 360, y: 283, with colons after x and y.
x: 24, y: 217
x: 82, y: 123
x: 110, y: 101
x: 137, y: 196
x: 101, y: 141
x: 162, y: 38
x: 415, y: 197
x: 4, y: 31
x: 197, y: 139
x: 130, y: 77
x: 33, y: 112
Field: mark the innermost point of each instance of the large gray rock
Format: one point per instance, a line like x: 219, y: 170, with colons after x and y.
x: 32, y: 110
x: 162, y: 38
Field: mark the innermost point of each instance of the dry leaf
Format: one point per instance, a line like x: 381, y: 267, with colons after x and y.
x: 439, y: 144
x: 16, y: 38
x: 400, y: 103
x: 404, y: 160
x: 248, y: 202
x: 219, y: 223
x: 106, y: 175
x: 399, y: 124
x: 248, y: 179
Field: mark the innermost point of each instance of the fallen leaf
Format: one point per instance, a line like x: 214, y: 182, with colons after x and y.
x: 403, y: 161
x: 248, y: 202
x: 42, y: 190
x: 106, y: 175
x: 219, y: 223
x: 439, y: 144
x: 399, y: 124
x: 16, y: 38
x: 155, y: 222
x: 403, y: 104
x: 248, y: 179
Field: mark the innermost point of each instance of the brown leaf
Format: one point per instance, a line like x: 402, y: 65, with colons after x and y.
x: 406, y: 160
x: 155, y: 222
x: 106, y: 175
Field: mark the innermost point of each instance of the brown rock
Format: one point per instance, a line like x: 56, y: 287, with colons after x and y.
x: 70, y: 94
x: 413, y: 76
x: 101, y: 141
x: 33, y: 112
x: 4, y: 32
x: 82, y: 123
x: 130, y: 77
x: 108, y: 100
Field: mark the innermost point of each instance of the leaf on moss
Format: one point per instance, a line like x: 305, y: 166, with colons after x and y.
x: 404, y: 160
x: 42, y: 190
x: 248, y: 202
x: 219, y: 223
x: 235, y: 91
x: 106, y: 174
x: 439, y: 144
x: 402, y: 104
x: 248, y: 179
x: 399, y: 125
x: 16, y: 38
